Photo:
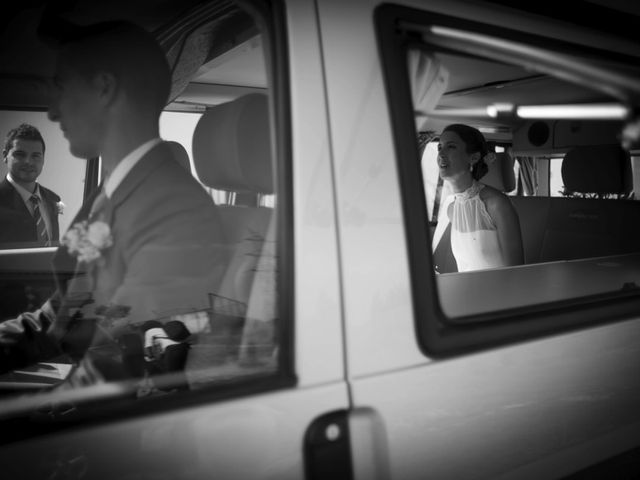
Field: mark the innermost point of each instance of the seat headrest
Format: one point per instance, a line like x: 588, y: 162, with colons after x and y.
x: 180, y: 154
x: 232, y: 146
x: 597, y: 169
x: 500, y: 174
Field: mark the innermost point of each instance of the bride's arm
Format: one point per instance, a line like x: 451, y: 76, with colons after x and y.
x: 507, y: 222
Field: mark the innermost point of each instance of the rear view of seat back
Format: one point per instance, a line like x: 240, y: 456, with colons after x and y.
x: 591, y: 227
x: 232, y: 146
x: 533, y: 213
x: 500, y: 174
x: 232, y: 152
x: 598, y: 169
x: 181, y: 155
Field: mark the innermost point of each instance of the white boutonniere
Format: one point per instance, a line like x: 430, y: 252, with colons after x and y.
x: 60, y: 206
x: 87, y: 240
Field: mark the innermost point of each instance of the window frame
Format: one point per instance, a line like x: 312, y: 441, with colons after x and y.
x: 112, y: 401
x: 438, y: 335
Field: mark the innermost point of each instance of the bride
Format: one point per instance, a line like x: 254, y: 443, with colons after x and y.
x: 485, y: 229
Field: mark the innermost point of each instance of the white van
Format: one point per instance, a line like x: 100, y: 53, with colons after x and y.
x: 343, y: 342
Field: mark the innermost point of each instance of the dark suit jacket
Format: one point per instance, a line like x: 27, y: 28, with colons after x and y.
x: 17, y: 228
x: 168, y: 251
x: 168, y: 255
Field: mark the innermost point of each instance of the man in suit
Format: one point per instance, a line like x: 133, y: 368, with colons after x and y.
x: 149, y: 243
x: 28, y: 211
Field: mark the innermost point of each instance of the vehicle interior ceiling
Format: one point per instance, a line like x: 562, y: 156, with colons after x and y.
x: 479, y: 82
x: 227, y: 70
x: 475, y: 85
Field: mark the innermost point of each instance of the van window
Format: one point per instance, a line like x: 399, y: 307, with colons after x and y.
x: 554, y: 161
x: 231, y: 333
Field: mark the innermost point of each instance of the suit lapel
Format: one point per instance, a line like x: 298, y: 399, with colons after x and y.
x: 13, y: 197
x: 101, y: 209
x: 65, y: 266
x: 10, y: 197
x: 141, y: 170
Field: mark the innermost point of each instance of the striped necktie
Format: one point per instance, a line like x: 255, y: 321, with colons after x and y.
x: 43, y: 235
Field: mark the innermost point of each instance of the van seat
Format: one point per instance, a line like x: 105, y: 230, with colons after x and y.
x: 560, y: 228
x: 597, y: 170
x: 232, y: 152
x: 180, y: 154
x: 533, y: 213
x: 567, y: 228
x: 581, y: 228
x: 500, y: 174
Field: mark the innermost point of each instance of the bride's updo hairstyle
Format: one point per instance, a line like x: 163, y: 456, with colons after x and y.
x: 475, y: 142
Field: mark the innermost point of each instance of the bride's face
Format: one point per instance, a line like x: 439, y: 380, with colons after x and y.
x: 453, y: 159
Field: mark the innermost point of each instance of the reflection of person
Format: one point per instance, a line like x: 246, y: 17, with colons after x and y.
x: 485, y: 229
x: 28, y: 211
x: 148, y: 246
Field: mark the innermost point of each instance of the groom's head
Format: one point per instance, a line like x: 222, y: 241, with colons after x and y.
x: 129, y: 54
x: 105, y: 68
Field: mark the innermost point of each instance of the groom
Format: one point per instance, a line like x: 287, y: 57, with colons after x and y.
x: 149, y: 244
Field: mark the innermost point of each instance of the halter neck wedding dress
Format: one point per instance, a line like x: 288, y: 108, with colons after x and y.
x: 474, y: 236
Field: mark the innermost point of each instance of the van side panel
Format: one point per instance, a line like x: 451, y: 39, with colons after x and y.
x: 543, y: 408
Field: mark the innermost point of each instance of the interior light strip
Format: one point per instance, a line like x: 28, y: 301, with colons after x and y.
x: 602, y: 111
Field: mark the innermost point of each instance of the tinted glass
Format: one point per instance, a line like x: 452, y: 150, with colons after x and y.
x: 196, y: 307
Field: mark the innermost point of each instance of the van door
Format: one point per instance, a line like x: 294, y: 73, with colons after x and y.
x: 253, y: 395
x: 452, y: 377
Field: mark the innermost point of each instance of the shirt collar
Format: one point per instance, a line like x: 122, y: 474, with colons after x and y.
x: 24, y: 193
x: 126, y: 164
